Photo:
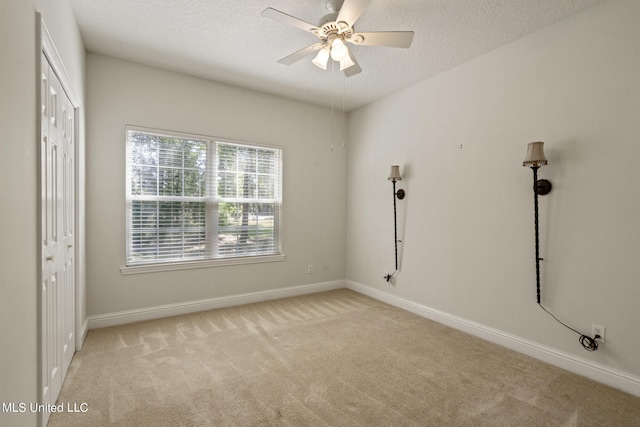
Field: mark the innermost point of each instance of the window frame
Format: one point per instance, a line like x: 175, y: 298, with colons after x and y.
x: 212, y: 202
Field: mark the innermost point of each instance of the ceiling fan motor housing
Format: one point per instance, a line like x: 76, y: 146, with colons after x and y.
x: 328, y: 27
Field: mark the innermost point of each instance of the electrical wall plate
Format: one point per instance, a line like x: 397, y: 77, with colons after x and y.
x: 598, y: 330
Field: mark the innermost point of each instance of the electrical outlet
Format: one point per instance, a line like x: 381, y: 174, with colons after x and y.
x: 598, y: 330
x: 310, y: 269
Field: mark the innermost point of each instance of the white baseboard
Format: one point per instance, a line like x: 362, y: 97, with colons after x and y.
x: 615, y: 378
x: 149, y: 313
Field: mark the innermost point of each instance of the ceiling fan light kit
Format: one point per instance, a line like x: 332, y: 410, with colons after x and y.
x: 338, y: 49
x: 321, y: 58
x: 346, y: 62
x: 334, y: 31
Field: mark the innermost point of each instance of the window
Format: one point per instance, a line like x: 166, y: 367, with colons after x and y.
x: 192, y: 197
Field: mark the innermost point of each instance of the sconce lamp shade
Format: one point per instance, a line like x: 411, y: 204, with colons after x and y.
x: 535, y: 155
x: 395, y: 174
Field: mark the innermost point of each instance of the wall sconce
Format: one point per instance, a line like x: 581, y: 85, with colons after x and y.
x: 535, y: 159
x: 394, y: 176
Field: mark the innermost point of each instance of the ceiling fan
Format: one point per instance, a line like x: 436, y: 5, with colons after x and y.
x: 334, y: 30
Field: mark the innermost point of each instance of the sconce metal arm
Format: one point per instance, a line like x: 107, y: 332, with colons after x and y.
x: 400, y: 195
x: 535, y: 209
x: 395, y: 222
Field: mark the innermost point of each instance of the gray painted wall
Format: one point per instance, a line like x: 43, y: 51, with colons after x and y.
x: 467, y: 220
x: 314, y: 189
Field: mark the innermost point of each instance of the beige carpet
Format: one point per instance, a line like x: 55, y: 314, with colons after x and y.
x: 330, y: 359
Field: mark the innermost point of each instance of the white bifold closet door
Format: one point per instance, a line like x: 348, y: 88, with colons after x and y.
x: 57, y: 232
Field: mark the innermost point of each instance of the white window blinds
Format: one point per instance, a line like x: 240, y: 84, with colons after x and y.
x: 192, y: 198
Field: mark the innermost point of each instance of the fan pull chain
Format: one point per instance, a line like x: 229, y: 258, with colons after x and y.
x: 344, y: 128
x: 333, y: 125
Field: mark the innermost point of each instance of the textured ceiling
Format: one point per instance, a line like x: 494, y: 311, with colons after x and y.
x: 230, y: 42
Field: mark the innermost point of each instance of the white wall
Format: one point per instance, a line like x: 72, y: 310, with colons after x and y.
x: 314, y: 206
x: 467, y: 220
x: 18, y: 181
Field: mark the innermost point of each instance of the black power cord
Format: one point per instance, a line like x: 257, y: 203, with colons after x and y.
x: 589, y: 344
x: 388, y: 276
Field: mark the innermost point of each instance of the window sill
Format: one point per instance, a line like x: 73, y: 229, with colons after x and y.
x: 188, y: 265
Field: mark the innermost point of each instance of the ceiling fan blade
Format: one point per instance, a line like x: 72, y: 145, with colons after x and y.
x: 284, y: 18
x: 296, y: 56
x: 351, y: 11
x: 354, y: 69
x: 384, y: 38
